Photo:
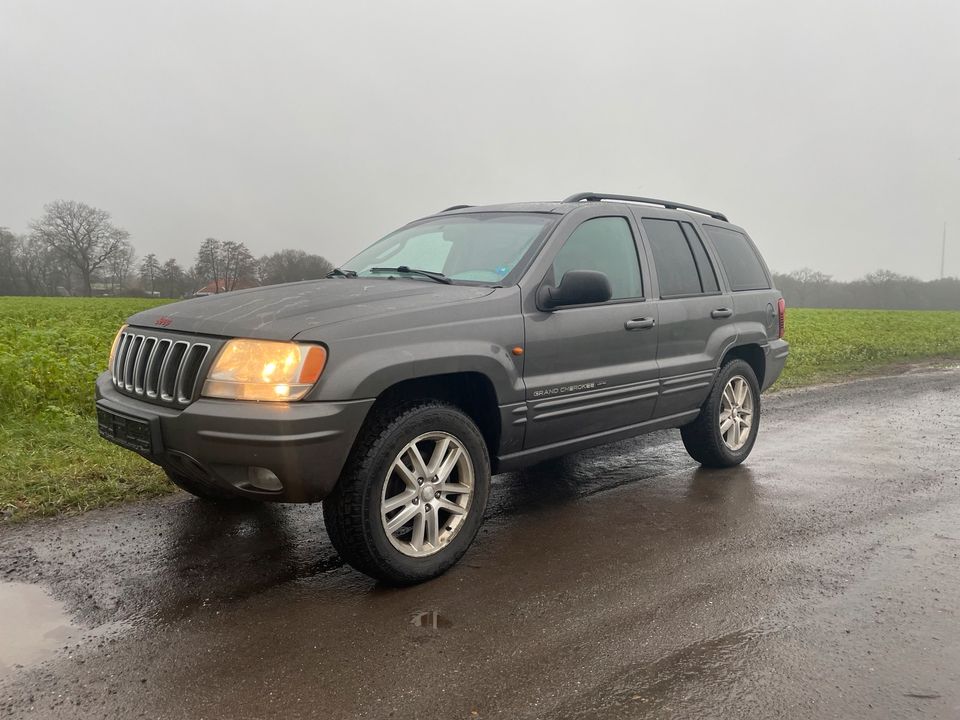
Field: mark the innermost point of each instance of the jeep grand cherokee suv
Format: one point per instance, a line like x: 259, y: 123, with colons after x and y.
x: 474, y: 341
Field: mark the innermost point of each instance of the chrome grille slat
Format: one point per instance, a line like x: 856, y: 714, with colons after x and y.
x: 159, y: 368
x: 143, y: 357
x: 171, y: 371
x: 131, y: 362
x: 151, y: 382
x: 189, y: 367
x: 118, y: 360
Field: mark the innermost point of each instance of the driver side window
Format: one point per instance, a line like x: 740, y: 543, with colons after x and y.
x: 604, y: 244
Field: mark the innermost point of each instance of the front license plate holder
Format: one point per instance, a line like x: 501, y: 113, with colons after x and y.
x: 129, y: 432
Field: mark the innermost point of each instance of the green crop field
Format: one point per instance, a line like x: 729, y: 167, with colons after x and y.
x: 831, y: 345
x: 51, y: 349
x: 51, y: 458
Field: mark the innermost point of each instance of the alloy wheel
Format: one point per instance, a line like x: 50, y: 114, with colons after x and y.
x: 736, y: 413
x: 427, y: 494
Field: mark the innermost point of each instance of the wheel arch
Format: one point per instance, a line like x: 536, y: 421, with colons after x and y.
x: 753, y: 355
x: 470, y: 391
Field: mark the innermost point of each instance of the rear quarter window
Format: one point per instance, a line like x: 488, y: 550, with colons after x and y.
x: 739, y: 259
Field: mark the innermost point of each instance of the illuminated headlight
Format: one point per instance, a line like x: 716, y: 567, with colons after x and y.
x: 264, y: 370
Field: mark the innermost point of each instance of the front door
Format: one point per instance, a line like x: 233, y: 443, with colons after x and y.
x: 592, y: 369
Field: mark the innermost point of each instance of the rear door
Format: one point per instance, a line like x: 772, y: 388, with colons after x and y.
x: 696, y: 313
x: 590, y: 369
x: 754, y: 300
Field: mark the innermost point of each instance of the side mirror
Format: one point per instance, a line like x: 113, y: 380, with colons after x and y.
x: 577, y: 287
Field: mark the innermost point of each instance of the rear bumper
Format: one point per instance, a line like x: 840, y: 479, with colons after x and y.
x: 775, y: 353
x: 304, y: 444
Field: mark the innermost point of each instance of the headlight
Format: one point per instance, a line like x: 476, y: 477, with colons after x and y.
x: 113, y: 348
x: 264, y: 370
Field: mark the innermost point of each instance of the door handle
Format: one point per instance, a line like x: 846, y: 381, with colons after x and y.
x: 721, y: 313
x: 640, y: 323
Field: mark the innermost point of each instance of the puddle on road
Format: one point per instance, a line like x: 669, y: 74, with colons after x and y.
x: 32, y: 626
x: 430, y: 619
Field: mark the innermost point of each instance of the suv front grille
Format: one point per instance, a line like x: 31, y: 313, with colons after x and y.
x: 159, y: 369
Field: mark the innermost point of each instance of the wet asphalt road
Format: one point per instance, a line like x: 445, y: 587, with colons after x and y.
x: 821, y: 579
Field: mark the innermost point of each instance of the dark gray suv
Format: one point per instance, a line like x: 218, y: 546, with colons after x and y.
x: 474, y: 341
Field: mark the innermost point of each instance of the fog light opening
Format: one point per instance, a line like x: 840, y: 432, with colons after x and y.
x: 264, y: 479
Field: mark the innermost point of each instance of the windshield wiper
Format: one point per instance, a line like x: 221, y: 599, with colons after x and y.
x: 405, y: 270
x: 337, y: 272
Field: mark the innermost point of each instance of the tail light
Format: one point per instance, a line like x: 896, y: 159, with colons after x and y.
x: 781, y: 316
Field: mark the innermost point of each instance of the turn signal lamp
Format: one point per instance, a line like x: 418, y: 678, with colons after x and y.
x: 264, y: 370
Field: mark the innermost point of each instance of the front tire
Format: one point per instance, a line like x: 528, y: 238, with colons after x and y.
x: 412, y: 495
x: 726, y: 429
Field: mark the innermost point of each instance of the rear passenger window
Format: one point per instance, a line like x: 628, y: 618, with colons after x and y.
x: 743, y: 267
x: 675, y: 257
x: 607, y: 245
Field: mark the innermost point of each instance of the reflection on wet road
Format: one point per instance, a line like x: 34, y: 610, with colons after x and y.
x: 32, y: 626
x: 820, y: 579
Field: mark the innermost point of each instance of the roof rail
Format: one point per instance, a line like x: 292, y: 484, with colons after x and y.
x: 455, y: 207
x: 596, y: 197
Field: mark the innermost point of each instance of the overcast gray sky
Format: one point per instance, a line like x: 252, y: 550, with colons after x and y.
x: 830, y: 130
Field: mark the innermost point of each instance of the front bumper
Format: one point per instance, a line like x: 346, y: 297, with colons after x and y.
x: 775, y: 353
x: 304, y: 444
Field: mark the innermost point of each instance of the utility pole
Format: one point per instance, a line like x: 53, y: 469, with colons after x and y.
x: 943, y: 248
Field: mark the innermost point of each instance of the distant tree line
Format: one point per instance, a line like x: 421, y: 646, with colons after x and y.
x: 75, y: 249
x: 882, y: 289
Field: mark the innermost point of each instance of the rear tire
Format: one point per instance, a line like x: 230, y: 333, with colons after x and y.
x: 412, y: 495
x: 716, y: 438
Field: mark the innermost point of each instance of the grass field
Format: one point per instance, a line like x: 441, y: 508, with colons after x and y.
x: 51, y: 349
x: 830, y: 345
x: 51, y: 458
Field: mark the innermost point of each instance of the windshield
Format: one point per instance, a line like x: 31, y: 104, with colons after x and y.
x: 479, y: 247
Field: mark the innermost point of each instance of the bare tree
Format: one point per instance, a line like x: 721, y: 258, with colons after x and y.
x: 82, y: 235
x: 238, y: 264
x: 119, y: 265
x: 879, y: 277
x: 149, y: 271
x: 41, y: 270
x: 292, y: 265
x: 813, y: 277
x: 11, y: 247
x: 172, y: 278
x: 209, y: 265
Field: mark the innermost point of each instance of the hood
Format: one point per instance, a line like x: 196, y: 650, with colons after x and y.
x: 279, y: 312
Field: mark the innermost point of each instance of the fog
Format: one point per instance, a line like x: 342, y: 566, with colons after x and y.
x: 831, y: 131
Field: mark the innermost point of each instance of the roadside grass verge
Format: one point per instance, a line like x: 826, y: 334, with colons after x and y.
x: 51, y: 350
x: 55, y: 462
x: 51, y: 458
x: 833, y: 345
